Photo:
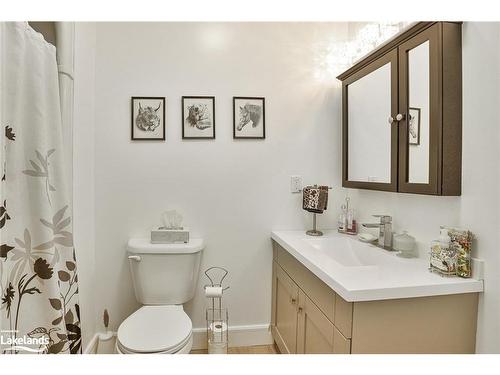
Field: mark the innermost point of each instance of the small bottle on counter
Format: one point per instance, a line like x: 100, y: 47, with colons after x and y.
x: 351, y: 222
x: 342, y: 222
x: 346, y: 222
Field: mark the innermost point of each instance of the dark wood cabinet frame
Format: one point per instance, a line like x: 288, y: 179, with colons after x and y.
x: 431, y: 35
x: 445, y: 121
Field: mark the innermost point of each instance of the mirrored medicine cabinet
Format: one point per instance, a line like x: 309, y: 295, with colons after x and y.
x: 402, y: 113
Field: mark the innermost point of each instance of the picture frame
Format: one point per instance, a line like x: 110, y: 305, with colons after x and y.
x: 249, y: 117
x: 147, y: 118
x: 198, y: 117
x: 414, y: 126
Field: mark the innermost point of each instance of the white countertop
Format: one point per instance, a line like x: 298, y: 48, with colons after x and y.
x: 363, y: 272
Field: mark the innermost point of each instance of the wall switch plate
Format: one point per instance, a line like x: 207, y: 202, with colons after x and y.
x: 295, y: 184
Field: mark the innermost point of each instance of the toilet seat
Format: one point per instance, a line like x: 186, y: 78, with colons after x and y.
x: 185, y: 349
x: 155, y: 329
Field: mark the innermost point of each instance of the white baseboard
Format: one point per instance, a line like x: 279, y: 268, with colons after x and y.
x: 257, y: 334
x: 91, y: 348
x: 106, y: 346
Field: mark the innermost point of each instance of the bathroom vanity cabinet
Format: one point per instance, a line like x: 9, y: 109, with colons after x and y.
x: 309, y: 317
x: 402, y: 113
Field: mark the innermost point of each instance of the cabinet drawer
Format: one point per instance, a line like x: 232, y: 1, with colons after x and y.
x: 320, y: 293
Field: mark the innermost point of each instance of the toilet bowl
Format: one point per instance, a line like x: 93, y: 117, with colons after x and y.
x: 164, y: 277
x: 155, y: 330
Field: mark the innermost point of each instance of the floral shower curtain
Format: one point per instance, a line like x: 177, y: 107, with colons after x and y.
x: 39, y: 309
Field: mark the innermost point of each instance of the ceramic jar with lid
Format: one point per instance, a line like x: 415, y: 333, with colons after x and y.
x: 405, y: 244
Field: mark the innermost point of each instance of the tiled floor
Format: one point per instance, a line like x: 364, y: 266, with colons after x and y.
x: 258, y: 349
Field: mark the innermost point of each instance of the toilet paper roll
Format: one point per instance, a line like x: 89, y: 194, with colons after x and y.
x: 213, y: 291
x: 217, y: 348
x: 218, y: 327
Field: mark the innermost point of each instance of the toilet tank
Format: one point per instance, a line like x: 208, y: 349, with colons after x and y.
x: 164, y: 274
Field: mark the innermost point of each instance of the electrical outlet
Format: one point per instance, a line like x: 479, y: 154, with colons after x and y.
x: 295, y: 184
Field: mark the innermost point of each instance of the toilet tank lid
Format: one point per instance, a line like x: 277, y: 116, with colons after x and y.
x: 144, y: 246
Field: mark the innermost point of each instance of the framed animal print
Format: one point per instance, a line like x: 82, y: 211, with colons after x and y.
x: 198, y: 117
x: 249, y: 120
x: 148, y: 118
x: 414, y: 126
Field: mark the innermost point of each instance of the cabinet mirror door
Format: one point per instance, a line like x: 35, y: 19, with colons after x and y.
x: 370, y: 105
x: 419, y: 129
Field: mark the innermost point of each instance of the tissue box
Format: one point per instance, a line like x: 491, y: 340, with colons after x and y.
x: 163, y: 235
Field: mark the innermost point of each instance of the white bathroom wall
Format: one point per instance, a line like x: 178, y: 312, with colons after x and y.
x: 480, y: 201
x: 231, y: 193
x: 478, y: 207
x: 83, y: 175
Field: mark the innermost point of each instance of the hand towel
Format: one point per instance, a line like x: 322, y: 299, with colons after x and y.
x: 315, y: 198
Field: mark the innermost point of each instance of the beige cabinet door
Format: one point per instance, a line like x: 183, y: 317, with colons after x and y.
x: 315, y: 331
x: 341, y: 344
x: 284, y: 322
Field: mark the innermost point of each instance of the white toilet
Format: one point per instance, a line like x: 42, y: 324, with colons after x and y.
x: 164, y: 277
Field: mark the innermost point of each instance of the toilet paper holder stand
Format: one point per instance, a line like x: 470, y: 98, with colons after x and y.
x: 217, y: 317
x: 214, y: 284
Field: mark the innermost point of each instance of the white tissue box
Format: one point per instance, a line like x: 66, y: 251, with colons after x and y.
x: 163, y: 235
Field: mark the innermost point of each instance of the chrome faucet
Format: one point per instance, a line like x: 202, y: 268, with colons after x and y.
x: 385, y: 231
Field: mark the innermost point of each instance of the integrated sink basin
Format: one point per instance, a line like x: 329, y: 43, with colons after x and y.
x: 359, y: 271
x: 347, y: 252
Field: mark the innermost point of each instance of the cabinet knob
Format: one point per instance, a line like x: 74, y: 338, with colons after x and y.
x: 293, y: 300
x: 300, y: 310
x: 400, y: 117
x: 390, y: 119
